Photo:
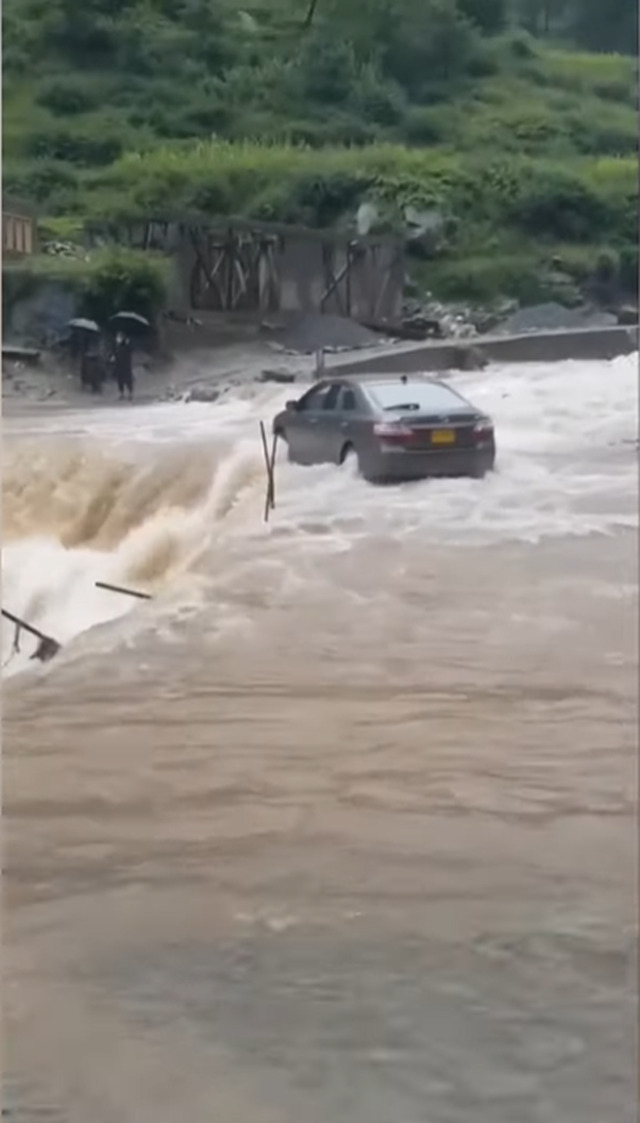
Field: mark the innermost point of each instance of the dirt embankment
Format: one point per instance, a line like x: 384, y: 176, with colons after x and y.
x: 202, y: 364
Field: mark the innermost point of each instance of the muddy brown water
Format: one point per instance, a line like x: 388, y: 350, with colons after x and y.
x: 343, y: 825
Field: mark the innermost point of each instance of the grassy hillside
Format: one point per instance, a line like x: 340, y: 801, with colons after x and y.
x: 526, y: 151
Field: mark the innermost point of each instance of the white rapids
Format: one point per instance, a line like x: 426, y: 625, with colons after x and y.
x: 141, y: 496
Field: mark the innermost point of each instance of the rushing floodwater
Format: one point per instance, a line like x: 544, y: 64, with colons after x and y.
x: 340, y: 825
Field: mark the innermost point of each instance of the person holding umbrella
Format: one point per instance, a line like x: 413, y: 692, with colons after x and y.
x: 131, y: 323
x: 123, y: 365
x: 86, y: 345
x: 126, y: 324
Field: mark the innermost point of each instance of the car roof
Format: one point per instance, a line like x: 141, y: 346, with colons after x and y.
x: 371, y: 382
x: 379, y: 379
x: 368, y: 382
x: 396, y: 380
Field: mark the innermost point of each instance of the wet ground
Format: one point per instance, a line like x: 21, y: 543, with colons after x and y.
x: 342, y: 824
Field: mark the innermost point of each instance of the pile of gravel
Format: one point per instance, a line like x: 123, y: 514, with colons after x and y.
x: 314, y: 332
x: 554, y: 317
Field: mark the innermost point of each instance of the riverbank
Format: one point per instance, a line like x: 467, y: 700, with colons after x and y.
x: 207, y: 375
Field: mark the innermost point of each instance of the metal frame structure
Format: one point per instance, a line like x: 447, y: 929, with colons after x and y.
x: 19, y: 230
x: 239, y: 266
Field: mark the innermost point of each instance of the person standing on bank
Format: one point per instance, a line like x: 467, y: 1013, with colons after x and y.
x: 123, y: 365
x: 91, y: 368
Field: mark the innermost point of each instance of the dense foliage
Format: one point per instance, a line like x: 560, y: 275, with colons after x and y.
x: 491, y: 111
x: 107, y: 282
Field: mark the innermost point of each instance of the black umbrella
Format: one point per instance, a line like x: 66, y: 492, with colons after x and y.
x: 84, y: 325
x: 130, y: 320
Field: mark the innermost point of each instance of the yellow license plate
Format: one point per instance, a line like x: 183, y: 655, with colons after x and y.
x: 443, y: 437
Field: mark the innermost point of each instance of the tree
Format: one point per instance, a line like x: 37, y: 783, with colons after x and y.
x: 594, y: 24
x: 413, y: 41
x: 606, y: 27
x: 489, y: 15
x: 311, y: 11
x: 428, y: 41
x: 542, y: 17
x: 326, y: 66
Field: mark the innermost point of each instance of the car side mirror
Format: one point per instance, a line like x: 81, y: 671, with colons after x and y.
x: 291, y: 405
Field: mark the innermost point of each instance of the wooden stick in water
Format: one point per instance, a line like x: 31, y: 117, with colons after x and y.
x: 126, y: 592
x: 270, y: 496
x: 272, y: 465
x: 47, y: 647
x: 22, y: 624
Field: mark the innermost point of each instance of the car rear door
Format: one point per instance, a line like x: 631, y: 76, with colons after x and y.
x: 328, y: 425
x: 340, y: 421
x: 303, y: 431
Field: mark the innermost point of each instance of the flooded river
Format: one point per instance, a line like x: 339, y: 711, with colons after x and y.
x: 340, y: 827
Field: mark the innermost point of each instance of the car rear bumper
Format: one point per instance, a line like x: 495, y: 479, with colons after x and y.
x: 399, y: 465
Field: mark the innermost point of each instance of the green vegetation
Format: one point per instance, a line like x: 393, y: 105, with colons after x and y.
x: 486, y: 113
x: 105, y: 282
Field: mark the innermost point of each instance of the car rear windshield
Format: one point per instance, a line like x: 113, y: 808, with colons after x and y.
x: 425, y: 397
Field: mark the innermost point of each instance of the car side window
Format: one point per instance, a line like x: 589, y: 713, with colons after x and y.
x: 348, y: 399
x: 314, y: 399
x: 331, y: 399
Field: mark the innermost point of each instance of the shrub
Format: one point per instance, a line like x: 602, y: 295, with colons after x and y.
x: 214, y: 198
x: 487, y: 279
x: 629, y: 269
x: 327, y: 69
x: 41, y: 181
x: 559, y: 206
x: 378, y: 100
x: 598, y: 74
x: 610, y: 133
x: 338, y: 129
x: 425, y: 126
x: 614, y: 90
x: 74, y: 146
x: 433, y: 41
x: 82, y: 39
x: 521, y: 45
x: 314, y: 200
x: 489, y: 15
x: 105, y: 282
x: 124, y: 280
x: 606, y: 268
x: 483, y: 63
x: 66, y: 97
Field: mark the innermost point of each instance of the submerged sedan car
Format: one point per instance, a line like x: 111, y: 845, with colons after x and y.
x: 396, y: 428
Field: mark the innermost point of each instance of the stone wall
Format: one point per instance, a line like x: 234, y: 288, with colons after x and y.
x: 535, y: 347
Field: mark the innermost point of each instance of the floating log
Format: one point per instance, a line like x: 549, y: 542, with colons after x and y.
x: 125, y: 592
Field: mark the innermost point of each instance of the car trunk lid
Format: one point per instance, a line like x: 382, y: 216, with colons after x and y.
x: 428, y: 430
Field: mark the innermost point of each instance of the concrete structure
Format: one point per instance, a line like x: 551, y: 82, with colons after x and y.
x: 235, y: 266
x: 534, y: 347
x: 19, y: 232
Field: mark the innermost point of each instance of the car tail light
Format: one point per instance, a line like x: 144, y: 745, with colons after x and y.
x: 483, y: 429
x: 393, y: 431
